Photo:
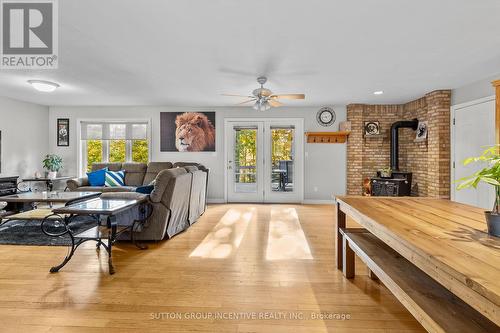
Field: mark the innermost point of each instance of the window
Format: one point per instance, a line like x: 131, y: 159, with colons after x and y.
x: 114, y: 142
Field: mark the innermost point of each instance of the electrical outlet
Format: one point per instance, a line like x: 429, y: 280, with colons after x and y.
x: 315, y: 189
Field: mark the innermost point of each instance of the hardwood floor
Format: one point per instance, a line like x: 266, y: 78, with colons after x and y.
x: 227, y: 264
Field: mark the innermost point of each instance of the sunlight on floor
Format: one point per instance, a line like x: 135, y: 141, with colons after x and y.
x: 226, y: 236
x: 286, y: 238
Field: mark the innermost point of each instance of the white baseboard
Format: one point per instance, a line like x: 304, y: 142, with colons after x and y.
x: 318, y: 202
x: 215, y: 201
x: 305, y: 202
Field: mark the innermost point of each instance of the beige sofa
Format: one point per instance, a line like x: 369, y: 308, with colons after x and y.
x: 178, y: 198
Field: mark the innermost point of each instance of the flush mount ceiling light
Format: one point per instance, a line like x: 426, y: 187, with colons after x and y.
x: 44, y: 86
x: 378, y: 92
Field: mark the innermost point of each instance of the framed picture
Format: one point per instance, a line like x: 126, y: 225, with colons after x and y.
x: 372, y: 128
x: 63, y: 132
x: 421, y: 131
x: 187, y: 131
x: 0, y: 151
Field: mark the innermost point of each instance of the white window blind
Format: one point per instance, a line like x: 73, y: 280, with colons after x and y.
x: 114, y: 131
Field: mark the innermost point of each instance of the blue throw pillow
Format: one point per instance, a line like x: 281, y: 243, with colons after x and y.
x: 97, y: 178
x: 115, y: 178
x: 147, y: 189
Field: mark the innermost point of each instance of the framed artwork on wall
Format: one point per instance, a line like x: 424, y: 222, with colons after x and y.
x: 0, y: 151
x: 372, y: 128
x: 421, y: 131
x: 187, y: 131
x: 63, y: 132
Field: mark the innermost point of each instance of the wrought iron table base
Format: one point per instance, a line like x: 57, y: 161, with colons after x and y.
x: 112, y: 227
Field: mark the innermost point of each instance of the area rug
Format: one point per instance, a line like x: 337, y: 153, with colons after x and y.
x: 30, y: 232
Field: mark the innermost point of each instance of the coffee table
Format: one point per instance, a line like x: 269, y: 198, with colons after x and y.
x: 100, y: 210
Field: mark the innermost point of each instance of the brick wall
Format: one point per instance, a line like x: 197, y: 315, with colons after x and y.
x: 438, y: 114
x: 429, y: 161
x: 413, y: 156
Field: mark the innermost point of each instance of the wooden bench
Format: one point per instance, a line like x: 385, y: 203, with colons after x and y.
x: 434, y: 306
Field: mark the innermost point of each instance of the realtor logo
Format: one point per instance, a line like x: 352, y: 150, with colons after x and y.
x: 29, y: 34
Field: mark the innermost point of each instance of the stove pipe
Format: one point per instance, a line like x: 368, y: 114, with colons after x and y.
x: 413, y: 124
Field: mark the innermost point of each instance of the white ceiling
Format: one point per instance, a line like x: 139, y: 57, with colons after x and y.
x: 188, y: 52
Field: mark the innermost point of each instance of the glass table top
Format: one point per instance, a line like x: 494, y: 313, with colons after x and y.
x: 99, y: 206
x: 45, y: 196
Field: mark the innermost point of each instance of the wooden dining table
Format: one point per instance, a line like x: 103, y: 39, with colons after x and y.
x: 445, y: 239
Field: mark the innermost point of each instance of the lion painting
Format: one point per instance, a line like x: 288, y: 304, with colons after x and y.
x: 194, y: 132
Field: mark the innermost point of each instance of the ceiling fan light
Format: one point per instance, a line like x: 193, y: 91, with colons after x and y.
x: 261, y: 106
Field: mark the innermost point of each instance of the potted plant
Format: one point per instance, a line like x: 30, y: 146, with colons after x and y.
x: 53, y: 163
x: 385, y: 172
x: 490, y: 174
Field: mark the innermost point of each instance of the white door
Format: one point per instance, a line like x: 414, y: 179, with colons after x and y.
x: 474, y: 129
x: 264, y: 160
x: 245, y: 161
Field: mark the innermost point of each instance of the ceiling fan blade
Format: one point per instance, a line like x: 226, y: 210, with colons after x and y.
x: 289, y: 96
x: 233, y: 95
x: 275, y: 103
x: 247, y: 101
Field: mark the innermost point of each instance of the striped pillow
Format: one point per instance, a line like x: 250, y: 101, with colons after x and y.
x: 115, y: 178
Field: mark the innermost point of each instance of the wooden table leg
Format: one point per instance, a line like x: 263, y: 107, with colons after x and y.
x: 372, y: 275
x: 348, y: 259
x: 340, y: 224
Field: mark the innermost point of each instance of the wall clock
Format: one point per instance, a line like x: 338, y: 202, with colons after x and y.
x: 326, y: 116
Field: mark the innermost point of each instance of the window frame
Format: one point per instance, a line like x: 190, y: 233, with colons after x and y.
x: 82, y: 151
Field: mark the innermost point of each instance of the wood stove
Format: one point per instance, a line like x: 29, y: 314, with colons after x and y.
x: 399, y: 184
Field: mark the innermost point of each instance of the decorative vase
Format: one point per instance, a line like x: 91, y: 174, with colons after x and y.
x: 52, y: 174
x: 493, y: 221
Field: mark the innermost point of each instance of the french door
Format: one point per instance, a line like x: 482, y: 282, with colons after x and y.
x: 264, y: 160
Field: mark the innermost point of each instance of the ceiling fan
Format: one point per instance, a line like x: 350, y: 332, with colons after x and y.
x: 264, y: 98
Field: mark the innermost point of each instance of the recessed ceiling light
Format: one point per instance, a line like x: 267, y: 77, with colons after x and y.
x: 378, y: 92
x: 44, y: 86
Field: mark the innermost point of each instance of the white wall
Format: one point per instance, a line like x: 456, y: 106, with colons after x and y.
x: 474, y: 90
x: 325, y: 164
x: 24, y: 137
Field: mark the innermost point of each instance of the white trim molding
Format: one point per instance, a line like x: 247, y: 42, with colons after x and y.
x: 318, y: 202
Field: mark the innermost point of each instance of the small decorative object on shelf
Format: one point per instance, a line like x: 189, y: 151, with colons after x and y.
x: 489, y: 175
x: 421, y: 131
x: 326, y: 116
x: 327, y: 137
x: 345, y: 126
x: 52, y: 163
x: 372, y: 128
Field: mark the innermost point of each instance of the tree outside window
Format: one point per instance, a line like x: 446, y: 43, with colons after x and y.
x: 140, y: 151
x: 94, y: 152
